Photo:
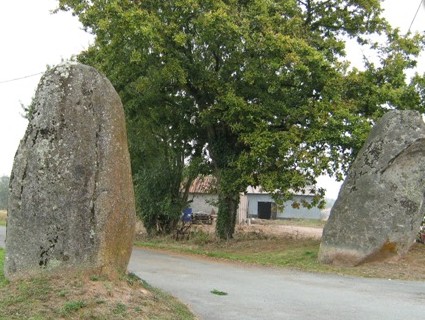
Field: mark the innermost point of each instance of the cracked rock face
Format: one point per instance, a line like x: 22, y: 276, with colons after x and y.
x: 71, y: 201
x: 381, y: 204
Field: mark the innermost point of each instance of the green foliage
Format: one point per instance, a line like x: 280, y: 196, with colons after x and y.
x: 159, y: 171
x: 226, y: 222
x: 132, y: 279
x: 256, y: 92
x: 4, y: 192
x: 157, y: 207
x: 28, y: 110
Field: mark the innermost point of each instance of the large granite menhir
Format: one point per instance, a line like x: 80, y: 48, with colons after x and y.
x: 381, y: 204
x: 72, y: 202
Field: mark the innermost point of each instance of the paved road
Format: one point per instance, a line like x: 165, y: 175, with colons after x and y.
x: 267, y: 293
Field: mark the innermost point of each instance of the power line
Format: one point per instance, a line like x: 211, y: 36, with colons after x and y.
x: 414, y: 18
x: 21, y: 78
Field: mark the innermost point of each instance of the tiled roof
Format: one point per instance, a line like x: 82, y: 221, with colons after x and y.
x: 203, y: 184
x: 208, y: 185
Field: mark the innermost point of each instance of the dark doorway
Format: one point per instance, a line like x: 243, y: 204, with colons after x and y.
x: 264, y: 210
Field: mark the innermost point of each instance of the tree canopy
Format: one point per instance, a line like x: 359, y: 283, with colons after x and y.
x: 257, y: 92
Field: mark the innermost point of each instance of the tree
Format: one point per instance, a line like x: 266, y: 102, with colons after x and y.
x: 4, y: 192
x: 259, y: 90
x: 158, y: 160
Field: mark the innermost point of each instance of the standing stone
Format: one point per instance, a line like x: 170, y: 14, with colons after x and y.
x: 71, y: 203
x: 381, y: 204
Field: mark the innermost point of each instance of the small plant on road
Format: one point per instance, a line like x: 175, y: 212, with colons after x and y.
x: 218, y: 292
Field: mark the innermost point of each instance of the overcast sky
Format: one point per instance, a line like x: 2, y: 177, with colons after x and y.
x: 32, y: 38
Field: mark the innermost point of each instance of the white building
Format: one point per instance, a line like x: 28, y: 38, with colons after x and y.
x: 260, y: 204
x: 254, y: 203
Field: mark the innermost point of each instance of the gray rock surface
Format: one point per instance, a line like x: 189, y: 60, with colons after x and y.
x: 381, y: 204
x: 71, y: 203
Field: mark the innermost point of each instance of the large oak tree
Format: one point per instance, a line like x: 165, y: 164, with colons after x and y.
x: 258, y: 90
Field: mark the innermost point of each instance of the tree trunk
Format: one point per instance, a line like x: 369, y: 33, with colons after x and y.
x: 226, y: 217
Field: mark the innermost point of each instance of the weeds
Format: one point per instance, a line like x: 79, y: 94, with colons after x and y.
x: 95, y: 277
x: 200, y: 238
x: 72, y: 306
x: 120, y: 308
x: 132, y: 279
x: 63, y: 293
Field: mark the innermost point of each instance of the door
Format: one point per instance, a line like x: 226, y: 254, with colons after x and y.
x: 264, y: 210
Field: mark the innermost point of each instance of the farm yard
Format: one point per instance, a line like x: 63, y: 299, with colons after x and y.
x: 290, y: 244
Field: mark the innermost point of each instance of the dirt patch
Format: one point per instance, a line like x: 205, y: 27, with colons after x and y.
x: 87, y: 296
x: 283, y: 231
x: 267, y: 229
x: 409, y: 267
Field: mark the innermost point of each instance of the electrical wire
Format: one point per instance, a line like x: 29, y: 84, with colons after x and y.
x: 21, y: 78
x: 414, y: 18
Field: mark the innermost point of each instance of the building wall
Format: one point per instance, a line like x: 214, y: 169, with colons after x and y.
x: 207, y: 202
x: 242, y: 213
x: 248, y: 206
x: 288, y: 212
x: 202, y: 202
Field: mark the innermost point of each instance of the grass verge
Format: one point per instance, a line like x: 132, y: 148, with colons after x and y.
x: 86, y: 296
x: 299, y: 254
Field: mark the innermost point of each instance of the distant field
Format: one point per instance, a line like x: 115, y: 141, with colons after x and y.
x: 3, y: 216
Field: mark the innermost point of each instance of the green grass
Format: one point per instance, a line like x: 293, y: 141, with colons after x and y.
x: 3, y: 281
x: 24, y: 298
x: 298, y: 254
x: 72, y: 306
x: 120, y: 308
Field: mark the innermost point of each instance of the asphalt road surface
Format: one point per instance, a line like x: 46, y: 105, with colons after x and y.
x: 269, y: 293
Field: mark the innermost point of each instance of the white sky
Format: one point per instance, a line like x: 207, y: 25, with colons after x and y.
x: 32, y: 38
